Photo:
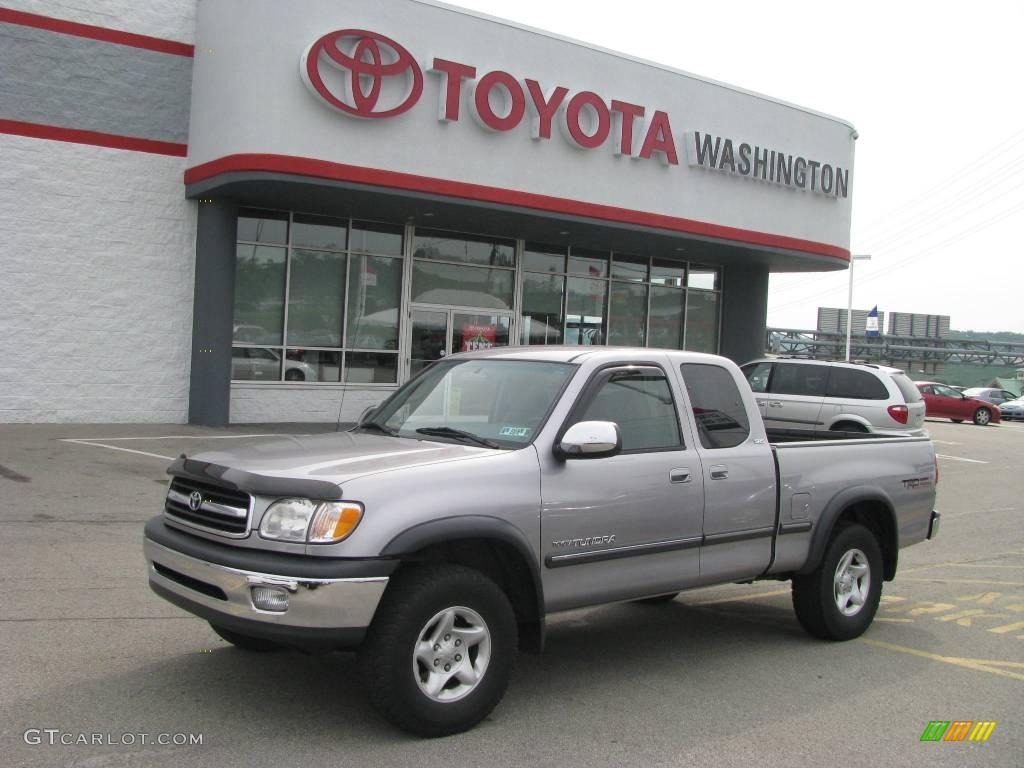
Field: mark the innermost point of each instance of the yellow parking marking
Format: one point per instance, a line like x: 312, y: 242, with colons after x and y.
x: 965, y: 618
x: 978, y: 565
x: 926, y: 608
x: 1017, y: 626
x: 971, y: 581
x: 974, y: 664
x: 985, y: 598
x: 742, y: 598
x: 894, y: 621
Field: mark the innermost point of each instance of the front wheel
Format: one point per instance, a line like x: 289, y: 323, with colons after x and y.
x: 838, y: 600
x: 982, y: 417
x: 438, y: 656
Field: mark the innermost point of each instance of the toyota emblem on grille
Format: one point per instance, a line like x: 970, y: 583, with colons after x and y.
x: 361, y: 73
x: 195, y: 501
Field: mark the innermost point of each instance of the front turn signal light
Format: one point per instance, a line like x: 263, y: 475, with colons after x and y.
x: 334, y: 521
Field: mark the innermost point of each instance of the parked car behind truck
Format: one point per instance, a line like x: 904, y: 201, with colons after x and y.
x: 502, y: 486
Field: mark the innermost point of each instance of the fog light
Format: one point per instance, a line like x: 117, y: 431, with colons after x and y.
x: 270, y: 599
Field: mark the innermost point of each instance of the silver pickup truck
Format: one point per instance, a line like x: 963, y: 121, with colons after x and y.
x: 501, y: 486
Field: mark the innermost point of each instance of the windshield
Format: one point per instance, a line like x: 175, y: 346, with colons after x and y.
x: 503, y: 402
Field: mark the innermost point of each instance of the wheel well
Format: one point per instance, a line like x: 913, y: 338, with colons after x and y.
x: 503, y: 564
x: 877, y: 518
x: 848, y: 426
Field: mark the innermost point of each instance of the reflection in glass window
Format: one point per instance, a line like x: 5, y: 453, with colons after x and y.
x: 584, y: 313
x: 316, y: 298
x: 374, y: 295
x: 263, y: 226
x: 255, y: 364
x: 666, y: 323
x: 583, y: 261
x: 371, y: 367
x: 468, y: 249
x: 628, y: 314
x: 703, y: 278
x: 259, y: 294
x: 542, y: 309
x: 702, y: 321
x: 461, y: 285
x: 319, y: 232
x: 371, y: 237
x: 665, y: 272
x: 718, y: 407
x: 544, y: 258
x: 312, y: 365
x: 633, y: 268
x: 639, y: 401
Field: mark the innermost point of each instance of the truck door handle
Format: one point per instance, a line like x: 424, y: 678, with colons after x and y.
x: 681, y: 475
x: 774, y: 403
x: 718, y: 472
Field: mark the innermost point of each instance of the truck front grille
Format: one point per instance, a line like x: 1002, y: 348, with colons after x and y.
x: 208, y: 507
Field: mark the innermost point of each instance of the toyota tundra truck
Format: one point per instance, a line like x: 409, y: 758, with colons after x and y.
x: 501, y: 486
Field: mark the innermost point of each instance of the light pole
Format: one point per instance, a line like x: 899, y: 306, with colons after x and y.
x: 849, y: 302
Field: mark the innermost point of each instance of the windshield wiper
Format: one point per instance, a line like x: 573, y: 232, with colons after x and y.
x: 377, y: 428
x: 457, y: 433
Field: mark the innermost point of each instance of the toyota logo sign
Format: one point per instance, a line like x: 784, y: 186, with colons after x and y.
x: 195, y: 501
x: 362, y: 73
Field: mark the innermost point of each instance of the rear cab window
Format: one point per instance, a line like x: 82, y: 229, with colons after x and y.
x: 718, y: 406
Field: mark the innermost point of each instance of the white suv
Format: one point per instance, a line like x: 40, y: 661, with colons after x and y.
x: 845, y: 397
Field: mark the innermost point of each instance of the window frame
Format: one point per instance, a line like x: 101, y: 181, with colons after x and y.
x: 597, y: 379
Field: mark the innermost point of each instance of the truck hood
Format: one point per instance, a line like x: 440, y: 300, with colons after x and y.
x: 336, y: 457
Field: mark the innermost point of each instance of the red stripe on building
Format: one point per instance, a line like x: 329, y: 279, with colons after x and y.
x: 113, y: 141
x: 321, y: 169
x: 96, y: 33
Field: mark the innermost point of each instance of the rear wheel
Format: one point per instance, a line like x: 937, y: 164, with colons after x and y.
x: 838, y: 600
x: 245, y: 642
x: 438, y: 656
x: 982, y: 417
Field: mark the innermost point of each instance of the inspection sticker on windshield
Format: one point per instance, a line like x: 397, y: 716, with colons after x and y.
x: 514, y: 432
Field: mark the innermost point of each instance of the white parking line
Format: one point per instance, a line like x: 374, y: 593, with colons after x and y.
x: 960, y: 458
x: 115, y: 448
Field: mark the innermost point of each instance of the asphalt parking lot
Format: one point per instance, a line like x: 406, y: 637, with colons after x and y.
x: 721, y: 676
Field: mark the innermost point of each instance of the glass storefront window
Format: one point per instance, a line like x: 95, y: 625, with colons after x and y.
x: 319, y: 232
x: 259, y: 294
x: 544, y: 258
x: 374, y: 296
x: 462, y: 286
x: 632, y: 268
x: 255, y: 364
x: 371, y: 237
x: 583, y: 261
x: 312, y: 365
x: 627, y: 314
x: 466, y: 249
x: 585, y: 311
x: 664, y: 272
x: 542, y: 308
x: 666, y: 323
x: 704, y: 278
x: 371, y: 368
x: 262, y: 226
x: 316, y: 298
x: 702, y: 321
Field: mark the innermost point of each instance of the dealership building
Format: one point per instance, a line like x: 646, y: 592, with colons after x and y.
x: 237, y: 211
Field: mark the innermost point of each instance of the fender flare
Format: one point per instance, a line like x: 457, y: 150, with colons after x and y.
x: 827, y: 521
x: 449, y: 529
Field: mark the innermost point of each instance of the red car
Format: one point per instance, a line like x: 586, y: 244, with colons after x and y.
x: 943, y: 402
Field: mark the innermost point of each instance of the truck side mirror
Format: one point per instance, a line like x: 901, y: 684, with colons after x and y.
x: 590, y: 440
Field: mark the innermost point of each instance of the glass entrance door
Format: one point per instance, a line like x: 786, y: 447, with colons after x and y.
x: 438, y: 332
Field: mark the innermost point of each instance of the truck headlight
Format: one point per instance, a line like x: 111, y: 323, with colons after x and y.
x: 302, y: 521
x: 288, y: 520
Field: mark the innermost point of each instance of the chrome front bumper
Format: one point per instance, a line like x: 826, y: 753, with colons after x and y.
x: 219, y: 591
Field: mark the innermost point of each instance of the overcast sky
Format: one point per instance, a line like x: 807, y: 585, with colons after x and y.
x: 936, y: 91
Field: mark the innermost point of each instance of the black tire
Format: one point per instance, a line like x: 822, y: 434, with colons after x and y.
x: 293, y: 374
x: 388, y: 662
x: 982, y: 417
x: 848, y: 426
x: 659, y: 600
x: 957, y: 421
x: 245, y: 642
x: 815, y: 596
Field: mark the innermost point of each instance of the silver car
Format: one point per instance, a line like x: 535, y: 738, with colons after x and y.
x: 1012, y: 410
x: 843, y: 397
x: 993, y: 395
